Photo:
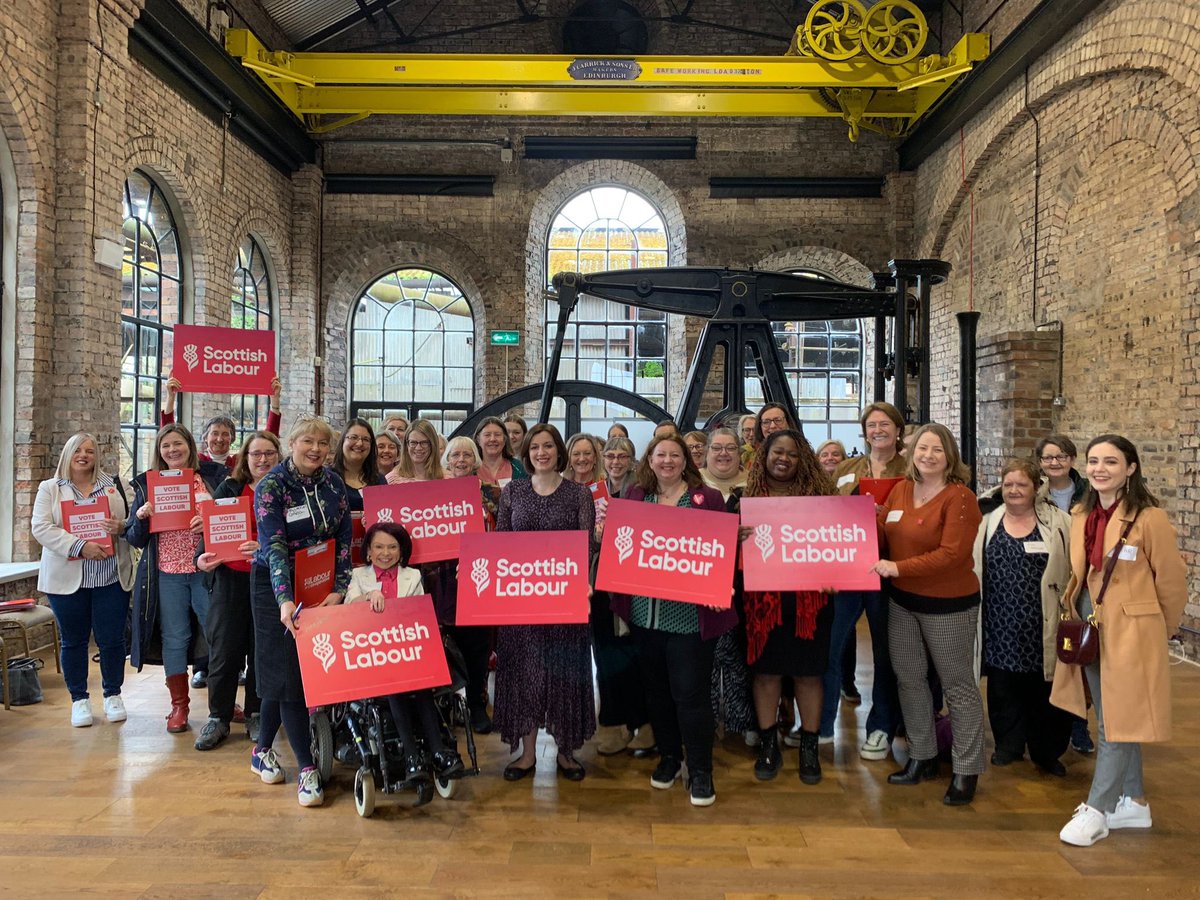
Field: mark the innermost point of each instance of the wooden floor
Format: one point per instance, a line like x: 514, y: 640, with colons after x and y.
x: 130, y: 811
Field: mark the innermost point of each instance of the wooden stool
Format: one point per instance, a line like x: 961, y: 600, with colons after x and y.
x: 25, y: 633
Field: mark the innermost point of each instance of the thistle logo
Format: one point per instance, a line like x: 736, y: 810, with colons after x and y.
x: 480, y: 576
x: 385, y: 515
x: 191, y: 357
x: 764, y: 541
x: 624, y: 543
x: 322, y: 649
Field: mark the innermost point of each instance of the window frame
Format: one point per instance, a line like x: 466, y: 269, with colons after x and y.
x: 238, y: 402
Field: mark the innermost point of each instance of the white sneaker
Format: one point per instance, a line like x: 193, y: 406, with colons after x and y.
x: 1129, y: 815
x: 825, y: 739
x: 81, y: 713
x: 309, y: 791
x: 1086, y: 827
x: 265, y: 764
x: 114, y: 709
x: 792, y: 738
x: 876, y: 746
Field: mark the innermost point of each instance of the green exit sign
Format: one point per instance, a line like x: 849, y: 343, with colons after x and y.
x: 506, y: 338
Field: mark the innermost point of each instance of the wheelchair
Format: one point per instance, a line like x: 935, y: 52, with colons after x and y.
x: 361, y: 732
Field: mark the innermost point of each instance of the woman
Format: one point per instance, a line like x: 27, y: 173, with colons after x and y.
x: 387, y: 451
x: 585, y: 459
x: 544, y: 672
x: 697, y: 444
x: 397, y: 425
x: 616, y: 429
x: 355, y: 461
x: 619, y: 461
x: 1119, y: 534
x: 787, y: 633
x: 676, y: 640
x: 169, y: 589
x: 771, y: 418
x: 831, y: 454
x: 497, y: 465
x: 1021, y: 560
x: 929, y: 523
x: 441, y: 580
x: 722, y: 464
x: 517, y: 429
x: 230, y: 627
x: 88, y: 587
x: 418, y: 460
x: 882, y: 430
x: 298, y: 504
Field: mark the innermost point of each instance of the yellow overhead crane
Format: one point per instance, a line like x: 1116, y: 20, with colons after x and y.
x: 862, y: 65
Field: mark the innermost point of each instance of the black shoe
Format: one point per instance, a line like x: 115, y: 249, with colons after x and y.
x: 213, y: 732
x: 514, y: 772
x: 415, y: 772
x: 645, y: 752
x: 481, y: 722
x: 572, y: 773
x: 915, y: 772
x: 770, y: 757
x: 1052, y: 767
x: 1081, y: 741
x: 199, y: 679
x: 850, y: 693
x: 810, y: 757
x: 448, y: 764
x: 665, y: 773
x: 961, y: 790
x: 1004, y: 759
x: 701, y: 790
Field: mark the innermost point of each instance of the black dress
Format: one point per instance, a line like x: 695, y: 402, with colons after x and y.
x: 786, y: 654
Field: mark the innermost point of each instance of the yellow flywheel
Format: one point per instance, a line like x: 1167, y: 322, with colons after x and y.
x: 894, y: 31
x: 834, y: 28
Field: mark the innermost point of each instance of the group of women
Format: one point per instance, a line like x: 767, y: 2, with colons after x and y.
x: 971, y: 586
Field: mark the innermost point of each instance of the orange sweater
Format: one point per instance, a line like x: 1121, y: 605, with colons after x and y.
x: 932, y: 546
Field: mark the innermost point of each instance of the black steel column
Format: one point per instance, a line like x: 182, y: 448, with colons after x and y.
x: 968, y: 323
x: 900, y: 346
x: 926, y: 362
x: 880, y: 356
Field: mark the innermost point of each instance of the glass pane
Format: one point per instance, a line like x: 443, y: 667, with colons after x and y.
x: 846, y: 352
x: 148, y: 361
x: 814, y: 352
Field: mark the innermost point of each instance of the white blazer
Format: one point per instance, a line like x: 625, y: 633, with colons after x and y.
x: 363, y: 581
x: 58, y: 574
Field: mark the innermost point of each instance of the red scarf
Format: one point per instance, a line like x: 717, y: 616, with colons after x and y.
x: 387, y: 581
x: 1093, y: 534
x: 764, y: 611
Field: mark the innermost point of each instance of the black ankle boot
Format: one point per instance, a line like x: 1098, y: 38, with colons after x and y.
x: 770, y: 758
x: 810, y: 759
x: 961, y: 790
x: 915, y: 772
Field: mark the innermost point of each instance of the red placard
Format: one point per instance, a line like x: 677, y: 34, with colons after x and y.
x: 357, y: 532
x: 228, y: 523
x: 84, y: 521
x: 599, y: 491
x: 878, y: 488
x: 314, y: 573
x: 810, y: 543
x: 665, y: 552
x: 523, y: 578
x: 348, y: 652
x: 436, y: 514
x: 170, y: 495
x: 223, y: 360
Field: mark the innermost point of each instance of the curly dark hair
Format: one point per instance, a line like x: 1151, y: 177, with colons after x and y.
x: 810, y: 479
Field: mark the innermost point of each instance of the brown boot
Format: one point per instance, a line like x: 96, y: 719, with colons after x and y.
x: 177, y: 719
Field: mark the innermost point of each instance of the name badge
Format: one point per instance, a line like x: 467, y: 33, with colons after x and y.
x: 846, y: 479
x: 297, y: 514
x: 894, y: 515
x: 1035, y: 547
x: 1128, y: 553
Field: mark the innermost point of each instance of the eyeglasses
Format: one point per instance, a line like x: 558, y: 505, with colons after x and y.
x: 262, y: 454
x: 418, y: 443
x: 617, y: 457
x: 357, y: 440
x: 723, y: 448
x: 1057, y: 457
x: 779, y: 421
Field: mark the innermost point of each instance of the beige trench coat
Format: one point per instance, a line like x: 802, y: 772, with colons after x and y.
x: 1142, y: 608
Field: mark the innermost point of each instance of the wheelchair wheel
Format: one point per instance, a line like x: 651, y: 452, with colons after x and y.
x: 364, y: 792
x: 446, y: 787
x: 321, y: 743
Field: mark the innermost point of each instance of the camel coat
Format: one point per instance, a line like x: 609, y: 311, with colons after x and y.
x: 1142, y: 608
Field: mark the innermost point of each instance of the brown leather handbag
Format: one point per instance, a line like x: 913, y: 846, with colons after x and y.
x: 1078, y: 640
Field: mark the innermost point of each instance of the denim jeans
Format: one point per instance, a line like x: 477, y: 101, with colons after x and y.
x: 178, y: 597
x: 885, y: 704
x: 101, y: 611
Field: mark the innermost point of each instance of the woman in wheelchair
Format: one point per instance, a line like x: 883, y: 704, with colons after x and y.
x: 386, y: 575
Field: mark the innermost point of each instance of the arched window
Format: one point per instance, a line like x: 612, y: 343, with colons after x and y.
x: 411, y: 350
x: 601, y: 229
x: 251, y: 307
x: 151, y: 303
x: 823, y: 361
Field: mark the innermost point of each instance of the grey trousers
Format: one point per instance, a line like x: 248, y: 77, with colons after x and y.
x: 949, y: 640
x: 1118, y: 764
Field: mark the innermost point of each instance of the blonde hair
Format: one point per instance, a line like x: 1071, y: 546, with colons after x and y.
x: 597, y: 453
x: 433, y: 468
x: 69, y: 449
x: 310, y: 424
x: 956, y: 471
x: 461, y: 441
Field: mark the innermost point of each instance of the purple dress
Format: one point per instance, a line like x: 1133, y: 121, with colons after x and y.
x: 544, y: 672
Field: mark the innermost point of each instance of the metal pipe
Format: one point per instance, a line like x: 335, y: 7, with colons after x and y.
x: 968, y: 324
x: 880, y: 357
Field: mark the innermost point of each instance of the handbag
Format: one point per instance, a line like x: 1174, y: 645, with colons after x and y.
x: 24, y: 686
x: 1078, y: 640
